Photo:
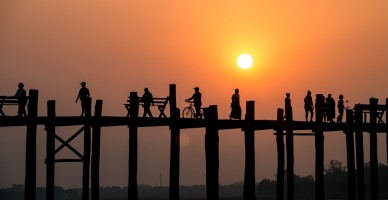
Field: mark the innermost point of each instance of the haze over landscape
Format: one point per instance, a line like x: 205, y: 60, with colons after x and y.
x: 121, y: 46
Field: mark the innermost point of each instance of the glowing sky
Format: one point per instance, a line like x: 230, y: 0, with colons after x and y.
x: 119, y: 46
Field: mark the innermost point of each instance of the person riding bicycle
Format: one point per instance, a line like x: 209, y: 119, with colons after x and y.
x: 197, y: 102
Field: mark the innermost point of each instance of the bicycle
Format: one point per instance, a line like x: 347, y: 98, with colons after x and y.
x: 189, y: 111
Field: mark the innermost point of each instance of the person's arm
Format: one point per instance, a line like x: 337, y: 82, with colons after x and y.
x: 77, y: 97
x: 191, y: 98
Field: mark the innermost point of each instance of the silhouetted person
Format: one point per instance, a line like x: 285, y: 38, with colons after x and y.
x: 324, y: 108
x: 308, y: 106
x: 341, y: 107
x: 330, y: 108
x: 83, y: 95
x: 148, y: 99
x: 236, y: 109
x: 197, y: 97
x: 22, y: 99
x: 287, y: 106
x: 319, y: 108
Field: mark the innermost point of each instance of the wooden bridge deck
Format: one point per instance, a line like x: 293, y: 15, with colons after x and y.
x: 221, y: 124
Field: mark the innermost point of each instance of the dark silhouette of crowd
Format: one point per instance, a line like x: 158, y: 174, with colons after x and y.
x: 327, y: 105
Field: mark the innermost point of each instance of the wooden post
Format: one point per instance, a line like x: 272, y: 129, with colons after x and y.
x: 30, y: 177
x: 280, y: 148
x: 172, y: 99
x: 95, y: 167
x: 212, y: 152
x: 386, y: 132
x: 359, y: 154
x: 290, y: 154
x: 373, y: 150
x: 249, y: 135
x: 175, y: 145
x: 132, y: 166
x: 349, y: 131
x: 50, y: 150
x: 319, y: 148
x: 86, y: 159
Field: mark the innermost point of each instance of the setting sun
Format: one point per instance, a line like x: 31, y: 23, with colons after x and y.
x: 244, y: 61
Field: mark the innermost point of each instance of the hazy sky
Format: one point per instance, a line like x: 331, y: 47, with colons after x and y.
x: 119, y: 46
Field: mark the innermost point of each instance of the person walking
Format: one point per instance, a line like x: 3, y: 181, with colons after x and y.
x: 287, y: 106
x: 341, y: 107
x: 22, y: 99
x: 330, y: 108
x: 83, y: 95
x: 148, y: 99
x: 308, y: 106
x: 235, y: 105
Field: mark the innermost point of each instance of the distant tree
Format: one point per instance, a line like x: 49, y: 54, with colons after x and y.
x: 336, y: 178
x: 304, y: 185
x: 266, y: 188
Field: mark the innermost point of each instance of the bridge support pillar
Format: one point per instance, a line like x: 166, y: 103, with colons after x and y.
x: 96, y: 138
x: 30, y: 177
x: 349, y: 132
x: 319, y: 148
x: 280, y: 149
x: 50, y: 150
x: 359, y: 154
x: 373, y: 150
x: 87, y: 147
x: 175, y: 145
x: 212, y: 152
x: 290, y: 153
x: 249, y: 135
x: 132, y: 166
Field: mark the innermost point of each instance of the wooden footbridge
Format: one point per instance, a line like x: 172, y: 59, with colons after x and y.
x: 363, y: 118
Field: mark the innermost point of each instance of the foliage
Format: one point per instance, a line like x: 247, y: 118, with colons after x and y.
x: 336, y: 185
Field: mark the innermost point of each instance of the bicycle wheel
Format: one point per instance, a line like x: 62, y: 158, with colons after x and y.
x: 187, y: 113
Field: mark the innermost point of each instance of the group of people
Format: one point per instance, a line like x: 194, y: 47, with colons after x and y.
x: 147, y: 99
x: 328, y: 107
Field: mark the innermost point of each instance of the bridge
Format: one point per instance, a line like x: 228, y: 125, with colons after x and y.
x: 362, y: 118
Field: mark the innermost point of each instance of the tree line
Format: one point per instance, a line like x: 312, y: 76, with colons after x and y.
x: 336, y: 183
x: 335, y: 176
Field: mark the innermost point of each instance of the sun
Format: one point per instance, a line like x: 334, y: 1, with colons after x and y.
x: 245, y: 61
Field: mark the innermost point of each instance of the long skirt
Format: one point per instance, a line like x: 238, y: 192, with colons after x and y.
x: 236, y: 111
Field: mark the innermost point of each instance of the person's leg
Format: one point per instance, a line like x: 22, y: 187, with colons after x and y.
x: 306, y: 113
x: 198, y: 111
x: 146, y: 110
x: 20, y: 110
x: 149, y: 112
x: 83, y: 108
x: 312, y: 114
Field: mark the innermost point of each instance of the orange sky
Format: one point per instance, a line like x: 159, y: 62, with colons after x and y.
x: 337, y: 47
